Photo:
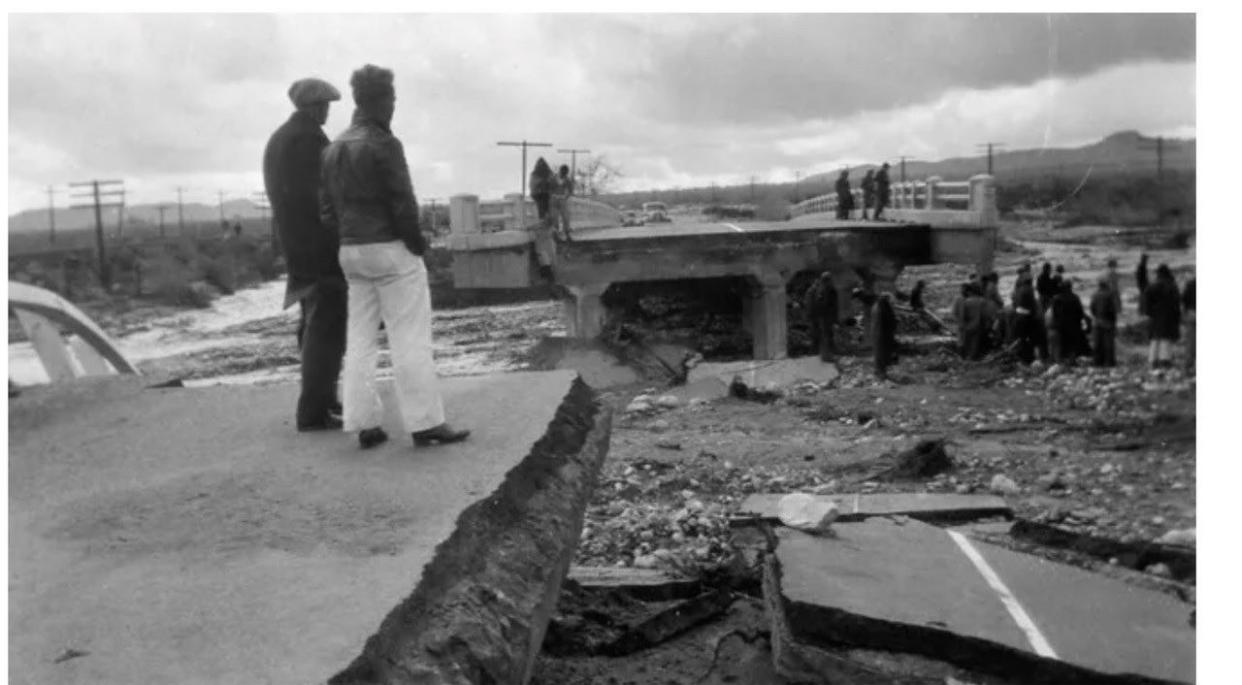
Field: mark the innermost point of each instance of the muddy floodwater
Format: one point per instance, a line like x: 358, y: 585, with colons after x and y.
x: 247, y: 338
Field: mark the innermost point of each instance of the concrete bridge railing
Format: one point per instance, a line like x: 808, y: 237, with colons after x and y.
x: 944, y: 204
x: 44, y: 315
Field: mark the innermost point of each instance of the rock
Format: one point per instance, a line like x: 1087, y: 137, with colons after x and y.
x: 1161, y: 570
x: 1004, y: 485
x: 964, y: 489
x: 646, y: 561
x: 659, y: 426
x: 668, y: 401
x: 1184, y: 537
x: 1051, y: 481
x: 807, y: 512
x: 637, y: 407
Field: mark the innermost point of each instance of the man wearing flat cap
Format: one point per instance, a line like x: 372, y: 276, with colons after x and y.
x: 291, y: 169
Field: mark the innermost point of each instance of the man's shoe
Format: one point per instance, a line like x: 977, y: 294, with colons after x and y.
x: 327, y: 423
x: 370, y: 437
x: 443, y: 434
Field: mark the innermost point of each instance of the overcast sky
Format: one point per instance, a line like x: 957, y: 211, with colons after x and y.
x: 673, y: 100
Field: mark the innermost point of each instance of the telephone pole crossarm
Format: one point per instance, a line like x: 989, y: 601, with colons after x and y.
x: 523, y: 144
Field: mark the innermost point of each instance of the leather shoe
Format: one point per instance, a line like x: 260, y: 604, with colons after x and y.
x: 327, y: 423
x: 370, y: 437
x: 442, y: 434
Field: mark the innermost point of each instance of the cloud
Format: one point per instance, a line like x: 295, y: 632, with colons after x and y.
x: 190, y: 99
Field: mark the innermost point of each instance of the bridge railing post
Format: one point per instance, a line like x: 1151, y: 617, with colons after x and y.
x: 930, y: 201
x: 516, y: 219
x: 983, y: 199
x: 464, y: 214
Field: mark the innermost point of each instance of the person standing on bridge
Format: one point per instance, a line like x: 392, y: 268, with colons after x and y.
x: 868, y: 188
x: 541, y: 181
x: 845, y: 198
x: 562, y: 189
x: 368, y: 197
x: 291, y: 164
x: 881, y: 191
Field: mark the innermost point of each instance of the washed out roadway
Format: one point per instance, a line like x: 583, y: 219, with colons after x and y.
x: 190, y: 535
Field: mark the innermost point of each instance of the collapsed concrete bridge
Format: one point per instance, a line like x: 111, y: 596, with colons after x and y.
x: 932, y: 222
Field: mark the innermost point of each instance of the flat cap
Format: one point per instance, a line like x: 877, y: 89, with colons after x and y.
x: 308, y: 91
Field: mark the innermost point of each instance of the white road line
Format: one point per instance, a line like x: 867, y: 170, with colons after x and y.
x: 1038, y: 642
x: 735, y: 227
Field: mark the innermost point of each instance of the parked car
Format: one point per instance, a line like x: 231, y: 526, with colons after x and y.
x: 655, y: 212
x: 632, y: 218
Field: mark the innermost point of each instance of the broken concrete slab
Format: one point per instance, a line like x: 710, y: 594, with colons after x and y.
x: 780, y: 373
x: 198, y: 523
x: 1136, y: 555
x: 650, y: 585
x: 915, y: 588
x: 857, y: 506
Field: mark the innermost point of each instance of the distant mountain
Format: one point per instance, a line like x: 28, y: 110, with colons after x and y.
x: 1120, y: 153
x: 70, y: 219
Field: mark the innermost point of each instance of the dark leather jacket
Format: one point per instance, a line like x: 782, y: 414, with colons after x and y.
x: 366, y: 193
x: 291, y: 178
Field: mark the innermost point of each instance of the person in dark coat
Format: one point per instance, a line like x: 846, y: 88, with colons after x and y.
x: 868, y: 188
x: 1140, y: 279
x: 845, y: 197
x: 1162, y: 302
x: 1069, y: 340
x: 291, y: 168
x: 1045, y: 288
x: 916, y: 296
x: 821, y: 310
x: 1026, y: 329
x: 974, y: 323
x: 1188, y: 317
x: 884, y: 335
x: 541, y: 186
x: 881, y: 190
x: 1104, y: 311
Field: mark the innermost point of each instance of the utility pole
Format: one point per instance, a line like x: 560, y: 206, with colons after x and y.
x: 259, y: 198
x: 162, y: 208
x: 96, y: 197
x: 120, y: 216
x: 573, y: 159
x: 51, y: 217
x: 989, y: 147
x: 1158, y: 145
x: 524, y: 144
x: 180, y: 213
x: 904, y: 158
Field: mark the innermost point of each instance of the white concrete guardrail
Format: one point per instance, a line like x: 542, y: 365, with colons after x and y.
x: 945, y: 204
x: 44, y: 315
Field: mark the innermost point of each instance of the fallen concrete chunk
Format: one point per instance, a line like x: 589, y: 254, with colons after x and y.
x: 649, y: 585
x: 807, y: 512
x: 920, y: 589
x: 1136, y: 555
x: 857, y: 507
x: 198, y: 523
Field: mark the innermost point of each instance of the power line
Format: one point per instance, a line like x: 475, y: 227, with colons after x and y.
x: 524, y: 144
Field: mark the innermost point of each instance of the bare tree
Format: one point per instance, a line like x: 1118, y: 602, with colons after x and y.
x: 596, y: 175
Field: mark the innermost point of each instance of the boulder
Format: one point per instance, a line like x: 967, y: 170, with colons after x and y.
x: 1004, y: 485
x: 807, y: 512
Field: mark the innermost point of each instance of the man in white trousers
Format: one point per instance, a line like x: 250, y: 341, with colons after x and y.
x: 367, y: 196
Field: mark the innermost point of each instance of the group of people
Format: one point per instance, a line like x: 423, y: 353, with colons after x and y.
x: 875, y: 192
x: 551, y: 193
x: 820, y: 302
x: 1046, y: 318
x: 347, y: 218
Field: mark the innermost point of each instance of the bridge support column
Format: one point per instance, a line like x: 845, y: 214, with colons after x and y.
x: 584, y: 313
x: 767, y: 318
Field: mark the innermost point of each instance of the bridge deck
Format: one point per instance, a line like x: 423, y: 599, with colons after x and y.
x: 704, y: 228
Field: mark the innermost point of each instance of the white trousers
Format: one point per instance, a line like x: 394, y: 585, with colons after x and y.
x: 389, y: 283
